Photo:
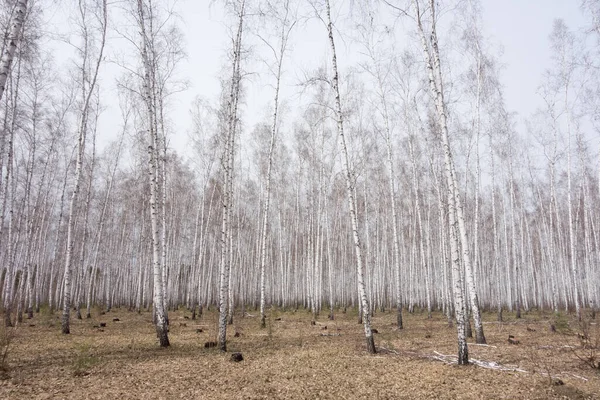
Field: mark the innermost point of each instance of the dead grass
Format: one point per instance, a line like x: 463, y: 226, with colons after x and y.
x: 292, y: 359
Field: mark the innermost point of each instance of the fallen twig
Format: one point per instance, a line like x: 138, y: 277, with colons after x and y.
x: 390, y: 350
x: 443, y: 355
x: 441, y: 359
x: 452, y: 359
x: 580, y: 377
x: 484, y: 345
x: 495, y: 365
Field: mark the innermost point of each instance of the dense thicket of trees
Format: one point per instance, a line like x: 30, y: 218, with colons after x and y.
x: 455, y: 205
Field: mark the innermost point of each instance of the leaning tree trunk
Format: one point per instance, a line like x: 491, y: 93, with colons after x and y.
x: 362, y: 294
x: 83, y: 127
x: 263, y: 246
x: 436, y: 87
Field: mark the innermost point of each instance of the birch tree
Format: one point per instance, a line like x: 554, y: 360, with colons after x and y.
x: 89, y: 70
x: 146, y: 19
x: 227, y: 163
x: 282, y: 18
x: 432, y: 60
x: 563, y: 43
x: 381, y: 73
x: 360, y: 270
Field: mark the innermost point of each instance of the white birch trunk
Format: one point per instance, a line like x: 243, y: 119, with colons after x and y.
x: 364, y: 302
x: 87, y: 93
x: 436, y: 87
x: 160, y: 316
x: 422, y: 256
x: 572, y: 232
x: 14, y: 36
x: 263, y: 247
x: 392, y: 192
x: 86, y: 211
x: 495, y: 246
x: 227, y: 163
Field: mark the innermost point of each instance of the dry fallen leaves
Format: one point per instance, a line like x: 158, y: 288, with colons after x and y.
x: 290, y: 359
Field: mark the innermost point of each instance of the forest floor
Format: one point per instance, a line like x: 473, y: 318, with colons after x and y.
x: 292, y: 359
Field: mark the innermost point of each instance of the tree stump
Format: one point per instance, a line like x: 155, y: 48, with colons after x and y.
x: 102, y: 324
x: 237, y: 357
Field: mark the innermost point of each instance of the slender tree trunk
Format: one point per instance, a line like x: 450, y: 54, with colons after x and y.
x: 572, y: 232
x: 495, y: 246
x: 228, y: 163
x: 435, y: 81
x: 158, y: 302
x: 364, y: 302
x: 264, y: 233
x: 87, y: 92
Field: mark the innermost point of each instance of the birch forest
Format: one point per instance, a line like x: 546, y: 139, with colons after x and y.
x: 389, y: 176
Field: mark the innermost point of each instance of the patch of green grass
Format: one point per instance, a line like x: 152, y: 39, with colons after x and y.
x: 561, y: 323
x: 84, y: 361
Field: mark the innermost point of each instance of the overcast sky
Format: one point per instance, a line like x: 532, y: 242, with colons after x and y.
x: 520, y: 27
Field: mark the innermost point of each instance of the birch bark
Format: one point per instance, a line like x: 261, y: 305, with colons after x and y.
x: 148, y: 84
x: 435, y: 82
x: 284, y: 35
x: 227, y: 164
x: 14, y: 36
x: 88, y: 89
x: 362, y: 295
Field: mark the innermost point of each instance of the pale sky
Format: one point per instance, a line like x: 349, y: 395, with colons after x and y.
x: 520, y: 27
